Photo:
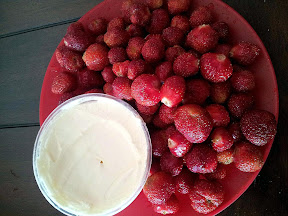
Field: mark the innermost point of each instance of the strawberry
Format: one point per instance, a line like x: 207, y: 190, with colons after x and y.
x: 108, y: 74
x: 201, y: 15
x: 178, y: 144
x: 66, y: 96
x: 140, y: 14
x: 126, y: 9
x: 184, y: 181
x: 94, y: 91
x: 240, y: 103
x: 96, y: 57
x: 135, y: 68
x: 117, y: 22
x: 134, y: 48
x: 235, y: 130
x: 117, y: 54
x: 69, y: 59
x: 173, y: 36
x: 100, y: 39
x: 197, y: 91
x: 202, y: 38
x: 89, y: 79
x: 215, y: 67
x: 159, y: 142
x: 64, y: 82
x: 159, y: 21
x: 226, y: 157
x: 171, y: 164
x: 135, y: 30
x: 186, y: 65
x: 223, y: 30
x: 147, y: 118
x: 222, y: 49
x: 122, y: 88
x: 219, y: 173
x: 201, y: 159
x: 242, y: 81
x: 98, y: 26
x: 245, y: 53
x: 181, y: 22
x: 108, y: 89
x: 153, y: 50
x: 172, y: 53
x: 172, y: 91
x: 220, y: 92
x: 171, y: 206
x: 166, y: 114
x: 164, y: 70
x: 170, y: 131
x: 155, y: 166
x: 147, y: 110
x: 248, y: 157
x: 116, y: 37
x: 154, y: 4
x: 206, y: 196
x: 219, y: 115
x: 221, y: 139
x: 258, y: 126
x: 193, y: 122
x: 178, y: 6
x: 159, y: 187
x: 157, y: 121
x: 146, y: 89
x: 120, y: 69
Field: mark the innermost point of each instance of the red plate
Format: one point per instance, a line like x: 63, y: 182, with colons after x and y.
x: 267, y: 98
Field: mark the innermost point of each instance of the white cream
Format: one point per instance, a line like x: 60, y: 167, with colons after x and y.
x: 93, y: 156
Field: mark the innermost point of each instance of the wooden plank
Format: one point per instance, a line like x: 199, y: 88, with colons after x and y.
x: 20, y: 15
x: 23, y: 62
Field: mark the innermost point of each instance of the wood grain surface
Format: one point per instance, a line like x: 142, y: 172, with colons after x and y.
x: 29, y: 33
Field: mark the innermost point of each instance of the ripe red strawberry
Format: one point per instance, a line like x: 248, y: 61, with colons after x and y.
x: 221, y: 139
x: 222, y: 49
x: 193, y: 122
x: 226, y: 157
x: 94, y: 91
x: 258, y: 126
x: 159, y: 187
x: 98, y: 26
x: 147, y: 110
x: 242, y: 81
x: 155, y: 166
x: 66, y: 96
x: 220, y: 92
x: 197, y: 91
x: 134, y: 48
x: 181, y: 22
x: 157, y: 121
x: 159, y: 21
x: 164, y: 70
x: 184, y: 181
x: 166, y: 114
x: 178, y: 144
x: 146, y: 90
x: 206, y: 196
x: 248, y: 157
x: 219, y: 115
x: 69, y: 59
x: 135, y: 30
x: 154, y: 4
x: 178, y: 6
x: 153, y: 50
x: 120, y: 69
x: 171, y: 206
x: 215, y: 67
x: 172, y: 53
x: 122, y: 88
x: 117, y: 54
x: 201, y: 159
x: 89, y: 79
x: 135, y: 68
x: 159, y: 142
x: 108, y: 89
x: 195, y: 53
x: 201, y: 15
x: 117, y: 22
x: 140, y: 14
x: 77, y: 38
x: 202, y: 38
x: 172, y: 91
x: 116, y: 37
x: 96, y: 57
x: 223, y: 30
x: 64, y: 82
x: 173, y: 36
x: 235, y: 130
x: 154, y: 36
x: 245, y: 53
x: 126, y: 9
x: 186, y: 65
x: 108, y: 74
x: 240, y: 103
x: 170, y: 163
x: 219, y: 173
x: 100, y: 39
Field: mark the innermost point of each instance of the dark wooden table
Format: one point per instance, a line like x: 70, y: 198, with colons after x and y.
x: 30, y: 31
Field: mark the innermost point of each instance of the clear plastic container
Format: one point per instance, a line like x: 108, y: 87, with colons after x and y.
x: 49, y: 123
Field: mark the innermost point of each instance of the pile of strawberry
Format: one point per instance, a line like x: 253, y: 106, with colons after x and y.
x: 177, y: 68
